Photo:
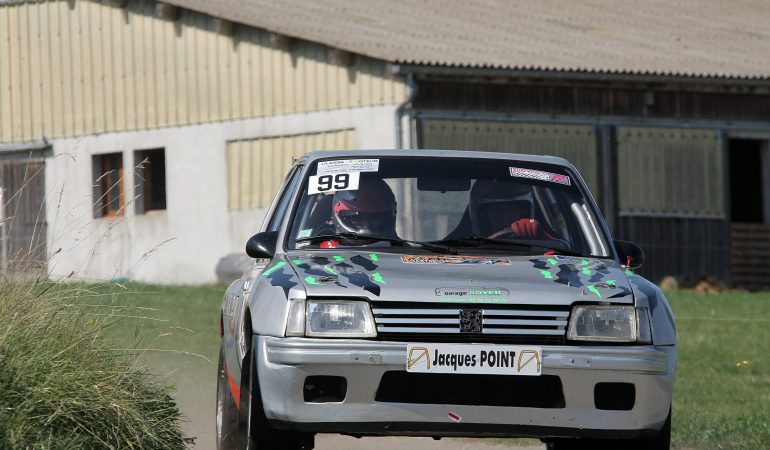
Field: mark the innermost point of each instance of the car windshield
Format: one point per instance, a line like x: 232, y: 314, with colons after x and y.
x: 450, y: 204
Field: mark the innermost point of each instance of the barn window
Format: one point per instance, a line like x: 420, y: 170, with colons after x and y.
x: 150, y: 180
x: 109, y: 197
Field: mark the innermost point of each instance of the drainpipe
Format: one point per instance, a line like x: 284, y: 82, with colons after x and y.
x: 411, y: 89
x: 3, y: 241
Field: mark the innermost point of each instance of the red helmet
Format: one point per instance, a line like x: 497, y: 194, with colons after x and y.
x: 369, y: 210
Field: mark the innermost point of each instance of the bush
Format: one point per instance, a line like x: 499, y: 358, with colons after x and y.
x: 63, y: 386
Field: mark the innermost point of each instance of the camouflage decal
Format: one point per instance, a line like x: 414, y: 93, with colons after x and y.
x: 569, y: 275
x: 595, y: 291
x: 376, y: 276
x: 363, y: 262
x: 267, y: 272
x: 574, y: 275
x: 279, y: 278
x: 373, y: 257
x: 358, y: 278
x: 318, y: 270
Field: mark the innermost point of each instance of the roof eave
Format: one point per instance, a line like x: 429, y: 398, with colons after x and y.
x: 573, y: 75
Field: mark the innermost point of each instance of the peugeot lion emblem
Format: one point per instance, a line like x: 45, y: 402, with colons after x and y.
x: 471, y: 321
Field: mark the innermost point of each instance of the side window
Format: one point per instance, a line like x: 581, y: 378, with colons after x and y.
x: 283, y: 203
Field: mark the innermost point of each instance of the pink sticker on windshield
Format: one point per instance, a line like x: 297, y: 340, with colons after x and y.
x: 539, y: 175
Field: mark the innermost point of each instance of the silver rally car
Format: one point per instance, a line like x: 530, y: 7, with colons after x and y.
x: 442, y: 293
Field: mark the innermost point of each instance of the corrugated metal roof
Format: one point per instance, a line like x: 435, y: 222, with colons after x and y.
x: 705, y: 38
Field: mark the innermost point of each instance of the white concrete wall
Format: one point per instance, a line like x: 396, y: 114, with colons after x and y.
x: 182, y: 244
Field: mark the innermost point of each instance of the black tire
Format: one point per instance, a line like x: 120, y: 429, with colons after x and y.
x: 259, y: 434
x: 227, y: 413
x: 661, y: 441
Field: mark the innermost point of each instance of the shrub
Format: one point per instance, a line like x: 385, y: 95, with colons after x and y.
x: 64, y: 386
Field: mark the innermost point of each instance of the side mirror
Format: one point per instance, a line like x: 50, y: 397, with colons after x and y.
x: 262, y: 245
x: 630, y: 254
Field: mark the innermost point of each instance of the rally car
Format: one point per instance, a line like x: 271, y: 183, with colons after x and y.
x: 442, y: 293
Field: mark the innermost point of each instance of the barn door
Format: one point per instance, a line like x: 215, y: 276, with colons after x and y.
x: 750, y: 212
x: 23, y: 215
x: 671, y: 199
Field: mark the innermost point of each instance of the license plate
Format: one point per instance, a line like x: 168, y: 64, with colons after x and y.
x: 474, y: 359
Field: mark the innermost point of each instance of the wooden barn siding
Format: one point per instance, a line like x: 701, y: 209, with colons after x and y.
x: 590, y: 100
x: 750, y: 255
x: 690, y: 249
x: 577, y: 143
x: 70, y: 68
x: 256, y: 167
x: 23, y: 181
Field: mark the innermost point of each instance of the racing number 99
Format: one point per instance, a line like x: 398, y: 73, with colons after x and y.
x: 340, y: 182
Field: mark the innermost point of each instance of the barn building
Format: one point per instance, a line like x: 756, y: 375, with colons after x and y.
x: 149, y: 137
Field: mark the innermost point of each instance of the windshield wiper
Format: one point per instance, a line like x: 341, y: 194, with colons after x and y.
x: 565, y: 251
x: 478, y: 240
x: 394, y: 240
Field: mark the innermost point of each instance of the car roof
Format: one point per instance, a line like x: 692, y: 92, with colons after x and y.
x: 319, y: 154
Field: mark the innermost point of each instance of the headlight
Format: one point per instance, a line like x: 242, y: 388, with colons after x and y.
x: 330, y: 318
x: 603, y: 323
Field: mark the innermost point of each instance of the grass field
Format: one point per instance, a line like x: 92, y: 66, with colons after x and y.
x: 722, y: 397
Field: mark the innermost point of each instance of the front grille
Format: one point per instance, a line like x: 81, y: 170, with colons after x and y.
x: 509, y: 324
x: 544, y: 391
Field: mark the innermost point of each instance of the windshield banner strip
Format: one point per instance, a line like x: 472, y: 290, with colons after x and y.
x: 347, y: 165
x: 539, y: 175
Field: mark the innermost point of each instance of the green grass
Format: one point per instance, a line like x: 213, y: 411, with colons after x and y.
x: 63, y: 387
x: 175, y: 328
x: 719, y: 402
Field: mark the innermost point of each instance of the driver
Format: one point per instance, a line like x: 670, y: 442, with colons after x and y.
x: 501, y: 208
x: 370, y: 210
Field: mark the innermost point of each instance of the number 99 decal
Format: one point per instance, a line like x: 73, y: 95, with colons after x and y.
x: 333, y: 182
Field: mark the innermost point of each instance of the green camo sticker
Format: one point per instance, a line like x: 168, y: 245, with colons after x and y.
x: 374, y: 257
x: 376, y: 276
x: 593, y: 289
x: 267, y: 272
x: 338, y: 258
x: 311, y: 280
x: 546, y: 274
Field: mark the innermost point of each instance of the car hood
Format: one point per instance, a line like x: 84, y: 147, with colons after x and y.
x: 535, y: 280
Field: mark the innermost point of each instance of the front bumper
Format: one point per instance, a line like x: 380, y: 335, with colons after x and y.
x: 284, y: 364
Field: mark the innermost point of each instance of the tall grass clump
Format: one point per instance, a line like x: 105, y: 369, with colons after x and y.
x: 64, y: 385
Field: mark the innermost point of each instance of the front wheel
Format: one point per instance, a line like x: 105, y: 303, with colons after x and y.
x: 259, y: 434
x: 227, y: 412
